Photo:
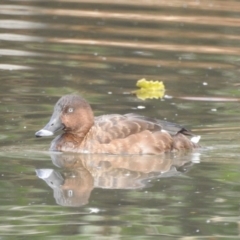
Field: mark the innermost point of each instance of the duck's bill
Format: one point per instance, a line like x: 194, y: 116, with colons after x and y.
x: 43, y: 133
x: 53, y: 126
x: 44, y: 173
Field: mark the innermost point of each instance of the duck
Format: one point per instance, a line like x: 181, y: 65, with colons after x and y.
x: 127, y: 134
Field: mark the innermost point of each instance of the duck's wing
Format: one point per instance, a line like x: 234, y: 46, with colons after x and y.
x: 170, y: 127
x: 115, y: 126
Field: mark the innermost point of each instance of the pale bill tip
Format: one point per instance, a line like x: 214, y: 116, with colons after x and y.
x: 43, y: 173
x: 43, y: 133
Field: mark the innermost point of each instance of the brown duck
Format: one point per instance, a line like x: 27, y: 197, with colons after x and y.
x: 113, y: 133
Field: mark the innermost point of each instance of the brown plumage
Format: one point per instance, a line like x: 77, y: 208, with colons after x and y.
x: 114, y: 133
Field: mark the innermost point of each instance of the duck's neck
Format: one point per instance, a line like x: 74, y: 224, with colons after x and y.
x: 77, y: 136
x: 66, y: 142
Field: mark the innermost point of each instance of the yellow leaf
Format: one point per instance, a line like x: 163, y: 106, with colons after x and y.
x: 150, y: 85
x: 150, y: 89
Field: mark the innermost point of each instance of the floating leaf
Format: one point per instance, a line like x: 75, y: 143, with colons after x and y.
x: 150, y: 89
x: 150, y: 85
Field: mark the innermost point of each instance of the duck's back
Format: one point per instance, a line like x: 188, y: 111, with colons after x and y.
x: 136, y: 134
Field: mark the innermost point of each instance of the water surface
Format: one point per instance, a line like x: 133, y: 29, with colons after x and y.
x: 99, y: 49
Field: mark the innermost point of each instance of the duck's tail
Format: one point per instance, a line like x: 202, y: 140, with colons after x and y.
x: 181, y: 142
x: 195, y: 139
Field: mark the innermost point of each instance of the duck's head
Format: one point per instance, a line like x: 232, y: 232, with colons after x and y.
x: 71, y: 114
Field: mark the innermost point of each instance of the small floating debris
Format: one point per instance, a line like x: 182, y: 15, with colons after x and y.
x: 149, y: 89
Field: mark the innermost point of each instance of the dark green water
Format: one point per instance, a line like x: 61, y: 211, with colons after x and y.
x: 99, y: 49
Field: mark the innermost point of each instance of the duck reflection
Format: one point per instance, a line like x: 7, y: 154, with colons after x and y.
x: 81, y: 173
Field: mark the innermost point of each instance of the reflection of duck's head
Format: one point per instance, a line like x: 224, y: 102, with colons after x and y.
x: 76, y: 189
x: 114, y: 133
x: 71, y: 187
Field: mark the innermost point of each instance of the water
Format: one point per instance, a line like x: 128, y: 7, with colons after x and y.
x: 99, y: 49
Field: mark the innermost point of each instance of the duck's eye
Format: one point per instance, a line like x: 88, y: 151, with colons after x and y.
x: 70, y: 110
